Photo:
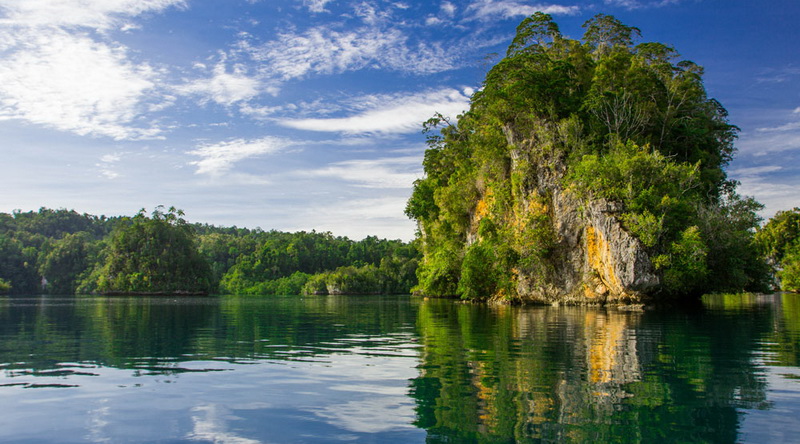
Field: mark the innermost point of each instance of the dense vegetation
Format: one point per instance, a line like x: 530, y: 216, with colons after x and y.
x: 780, y: 243
x: 607, y: 120
x: 63, y: 252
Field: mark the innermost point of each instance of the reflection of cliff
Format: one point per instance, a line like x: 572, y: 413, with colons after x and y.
x: 577, y: 374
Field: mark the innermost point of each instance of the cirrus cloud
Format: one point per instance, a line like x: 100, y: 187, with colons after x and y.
x: 390, y: 114
x: 219, y: 158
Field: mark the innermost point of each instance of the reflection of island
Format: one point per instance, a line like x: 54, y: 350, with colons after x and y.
x: 585, y: 374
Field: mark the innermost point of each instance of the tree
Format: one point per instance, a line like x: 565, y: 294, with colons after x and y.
x: 789, y: 273
x: 156, y: 254
x: 779, y: 241
x: 66, y: 263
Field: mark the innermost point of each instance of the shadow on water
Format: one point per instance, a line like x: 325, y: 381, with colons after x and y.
x: 556, y: 374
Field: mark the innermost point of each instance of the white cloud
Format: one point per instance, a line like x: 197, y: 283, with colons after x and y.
x: 390, y: 114
x: 98, y: 14
x: 223, y: 87
x: 432, y: 20
x: 357, y: 218
x: 73, y: 83
x: 106, y: 165
x: 394, y: 172
x: 774, y: 196
x: 316, y: 5
x: 638, y: 4
x: 791, y: 126
x: 322, y: 50
x: 219, y: 158
x: 448, y: 9
x: 754, y: 171
x: 780, y: 75
x: 491, y: 9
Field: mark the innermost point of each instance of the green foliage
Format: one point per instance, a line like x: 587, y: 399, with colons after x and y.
x: 479, y: 278
x: 734, y: 261
x: 278, y: 255
x: 684, y: 268
x: 154, y: 254
x: 394, y: 276
x: 5, y: 287
x: 287, y: 285
x: 779, y: 234
x: 778, y: 240
x: 68, y: 262
x: 658, y: 195
x: 789, y: 274
x: 18, y: 265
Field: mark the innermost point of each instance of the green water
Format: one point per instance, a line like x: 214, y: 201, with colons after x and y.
x: 395, y: 369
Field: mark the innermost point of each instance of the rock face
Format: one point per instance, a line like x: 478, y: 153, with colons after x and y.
x: 595, y: 259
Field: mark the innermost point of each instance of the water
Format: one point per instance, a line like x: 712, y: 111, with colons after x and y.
x: 395, y: 369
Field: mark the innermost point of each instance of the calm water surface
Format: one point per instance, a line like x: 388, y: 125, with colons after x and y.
x: 395, y: 369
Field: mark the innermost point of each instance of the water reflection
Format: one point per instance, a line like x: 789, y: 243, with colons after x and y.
x: 396, y: 369
x: 316, y: 369
x: 586, y: 374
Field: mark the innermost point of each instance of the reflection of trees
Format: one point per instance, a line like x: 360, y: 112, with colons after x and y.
x: 786, y: 336
x: 584, y: 374
x: 156, y: 334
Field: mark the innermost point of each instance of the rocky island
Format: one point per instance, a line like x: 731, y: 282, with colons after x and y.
x: 586, y: 171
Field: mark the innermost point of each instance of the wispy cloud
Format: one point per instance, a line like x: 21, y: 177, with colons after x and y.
x: 219, y: 158
x: 106, y: 165
x: 759, y: 181
x: 779, y: 75
x: 392, y: 172
x: 323, y: 50
x: 316, y: 5
x: 390, y: 114
x: 355, y: 217
x: 492, y: 9
x: 764, y: 142
x: 791, y: 126
x: 223, y: 87
x: 97, y: 14
x: 640, y: 4
x: 57, y: 73
x: 73, y: 83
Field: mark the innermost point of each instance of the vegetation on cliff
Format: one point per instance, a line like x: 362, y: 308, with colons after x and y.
x: 563, y: 128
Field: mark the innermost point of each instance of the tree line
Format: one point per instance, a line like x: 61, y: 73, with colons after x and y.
x: 64, y: 252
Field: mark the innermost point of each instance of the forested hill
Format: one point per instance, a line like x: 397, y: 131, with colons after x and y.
x: 64, y: 252
x: 585, y: 171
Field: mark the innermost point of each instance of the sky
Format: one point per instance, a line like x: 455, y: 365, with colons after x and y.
x: 306, y: 114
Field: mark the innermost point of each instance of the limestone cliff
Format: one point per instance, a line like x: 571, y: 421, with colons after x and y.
x: 594, y: 259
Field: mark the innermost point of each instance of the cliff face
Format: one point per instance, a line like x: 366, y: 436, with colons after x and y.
x: 594, y: 260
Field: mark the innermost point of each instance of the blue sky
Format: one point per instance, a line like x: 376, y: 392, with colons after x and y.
x: 306, y: 114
